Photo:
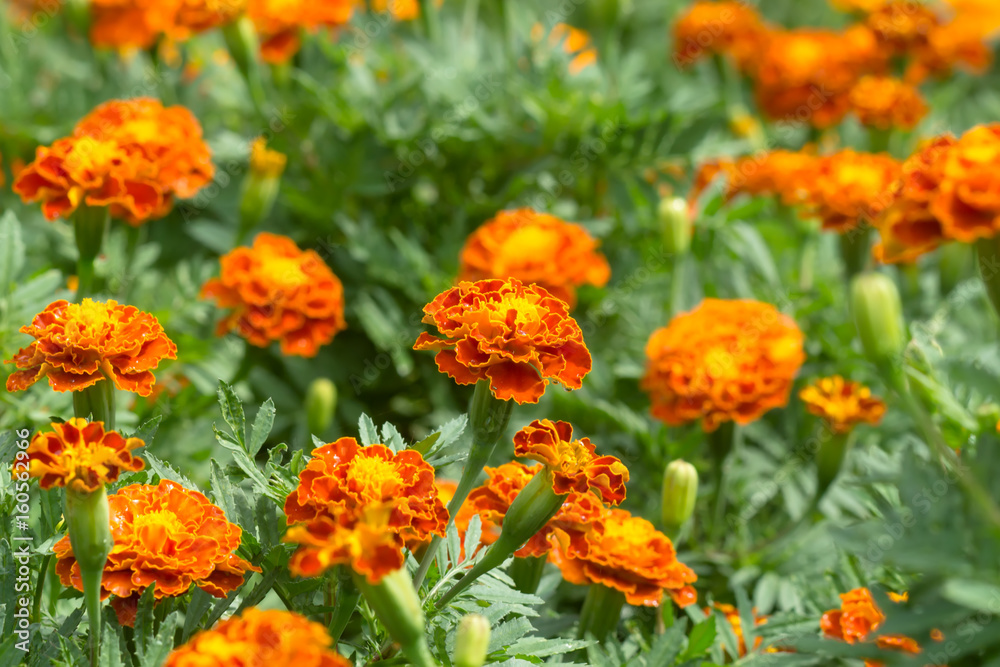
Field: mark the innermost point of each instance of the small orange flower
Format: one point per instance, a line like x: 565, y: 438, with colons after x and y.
x: 731, y: 28
x: 968, y: 198
x: 723, y: 361
x: 574, y: 465
x: 842, y: 403
x: 138, y: 24
x: 885, y: 103
x: 280, y: 21
x: 851, y: 189
x: 733, y: 617
x: 167, y: 535
x: 578, y: 513
x: 859, y: 618
x: 265, y: 162
x: 627, y: 553
x: 79, y: 344
x: 133, y: 156
x: 534, y: 248
x: 279, y: 292
x: 361, y: 506
x: 81, y: 456
x: 259, y: 638
x: 518, y: 337
x: 576, y: 43
x: 785, y: 174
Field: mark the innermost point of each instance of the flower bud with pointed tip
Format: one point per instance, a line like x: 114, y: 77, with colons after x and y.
x: 472, y: 641
x: 680, y: 493
x: 321, y: 404
x: 878, y: 315
x: 675, y: 223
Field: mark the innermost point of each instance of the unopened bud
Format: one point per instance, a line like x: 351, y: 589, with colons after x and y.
x: 680, y: 493
x: 321, y: 404
x: 472, y: 641
x: 878, y: 316
x: 260, y: 188
x: 675, y: 223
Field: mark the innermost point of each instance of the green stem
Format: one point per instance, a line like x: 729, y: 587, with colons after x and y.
x: 96, y: 403
x: 855, y: 245
x: 346, y: 602
x: 87, y: 517
x: 829, y: 459
x: 807, y: 260
x: 527, y: 573
x: 394, y: 601
x: 89, y: 225
x: 677, y: 286
x: 601, y: 610
x: 36, y: 605
x: 720, y: 444
x: 879, y: 139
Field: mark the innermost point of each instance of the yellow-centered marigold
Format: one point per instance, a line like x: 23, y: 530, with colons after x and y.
x: 79, y: 344
x: 81, y: 456
x: 726, y: 360
x: 167, y: 535
x: 133, y: 156
x: 518, y: 337
x: 851, y: 189
x: 734, y: 29
x: 574, y: 465
x: 842, y: 404
x: 260, y: 638
x: 885, y: 103
x: 360, y: 506
x: 534, y: 248
x: 278, y: 292
x: 280, y: 23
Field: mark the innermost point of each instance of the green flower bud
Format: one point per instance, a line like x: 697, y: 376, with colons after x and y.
x: 680, y: 493
x: 675, y: 223
x: 472, y: 641
x: 260, y: 188
x: 955, y: 263
x: 878, y: 316
x: 395, y: 602
x: 88, y: 520
x: 241, y: 40
x: 830, y: 457
x: 321, y: 404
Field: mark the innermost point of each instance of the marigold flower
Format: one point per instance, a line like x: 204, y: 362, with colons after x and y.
x: 967, y: 201
x: 81, y: 455
x: 518, y: 337
x: 264, y: 161
x: 534, y: 248
x: 490, y: 531
x: 574, y: 464
x: 884, y: 103
x: 491, y: 501
x: 278, y: 292
x: 627, y: 553
x: 842, y: 403
x: 732, y: 615
x: 575, y: 42
x: 851, y: 189
x: 167, y: 535
x: 785, y: 174
x: 79, y: 344
x: 259, y: 638
x: 731, y: 28
x: 279, y: 23
x: 723, y: 361
x: 361, y: 506
x: 859, y: 618
x: 133, y: 156
x: 138, y: 24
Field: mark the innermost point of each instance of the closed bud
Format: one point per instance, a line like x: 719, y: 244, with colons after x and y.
x: 472, y: 641
x: 878, y: 315
x: 321, y: 404
x: 675, y: 223
x: 680, y: 493
x: 260, y: 188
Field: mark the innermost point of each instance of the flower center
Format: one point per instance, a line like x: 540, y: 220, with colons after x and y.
x: 161, y: 520
x: 373, y: 478
x: 532, y: 242
x: 283, y: 272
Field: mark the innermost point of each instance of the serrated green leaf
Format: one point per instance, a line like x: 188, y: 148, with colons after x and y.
x: 262, y: 424
x: 144, y: 621
x: 165, y: 471
x: 199, y: 605
x: 367, y: 431
x: 232, y: 412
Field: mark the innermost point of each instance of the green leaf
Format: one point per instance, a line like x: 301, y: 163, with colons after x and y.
x: 367, y: 431
x: 701, y: 639
x: 164, y: 471
x: 978, y: 595
x: 232, y: 412
x: 668, y: 645
x: 195, y: 612
x: 11, y: 251
x: 262, y: 424
x: 242, y: 459
x: 144, y: 621
x: 391, y: 438
x: 161, y: 645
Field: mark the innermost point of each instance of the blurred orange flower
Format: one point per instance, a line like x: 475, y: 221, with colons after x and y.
x: 726, y: 360
x: 967, y: 201
x: 851, y: 189
x: 361, y: 506
x: 259, y: 638
x: 279, y: 23
x: 628, y: 554
x: 576, y: 43
x: 81, y: 456
x: 167, y: 535
x: 278, y: 292
x: 574, y: 465
x: 79, y: 344
x: 534, y: 248
x: 732, y: 615
x: 518, y: 337
x: 783, y: 173
x: 885, y: 103
x: 842, y: 403
x: 858, y: 618
x: 138, y: 24
x: 133, y: 156
x: 490, y: 531
x: 731, y: 28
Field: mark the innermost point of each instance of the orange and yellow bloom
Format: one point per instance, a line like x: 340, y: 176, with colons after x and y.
x: 167, y: 535
x: 726, y: 360
x: 842, y: 403
x: 81, y: 456
x: 731, y: 28
x: 138, y: 24
x: 886, y: 103
x: 534, y: 248
x: 732, y: 615
x: 278, y: 292
x: 78, y: 345
x: 850, y: 189
x: 259, y: 638
x: 133, y: 156
x: 280, y: 23
x: 518, y: 337
x: 785, y: 174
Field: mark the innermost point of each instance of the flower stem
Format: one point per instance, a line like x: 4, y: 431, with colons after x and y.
x: 720, y: 444
x: 346, y: 602
x: 854, y: 249
x: 89, y: 225
x: 394, y: 600
x: 527, y: 572
x: 87, y: 517
x: 96, y: 403
x: 829, y: 459
x: 601, y: 610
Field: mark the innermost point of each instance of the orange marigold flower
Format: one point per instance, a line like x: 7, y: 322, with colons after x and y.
x: 279, y: 23
x: 842, y: 403
x: 278, y: 292
x: 490, y: 531
x: 884, y: 103
x: 723, y: 361
x: 79, y: 344
x: 133, y: 156
x: 167, y: 535
x: 81, y: 455
x: 575, y: 517
x: 534, y: 248
x: 731, y: 28
x: 576, y: 43
x: 785, y: 174
x: 967, y: 201
x: 732, y: 615
x: 137, y: 24
x: 851, y: 189
x: 259, y: 638
x: 518, y: 337
x: 628, y: 554
x: 574, y: 465
x: 361, y: 506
